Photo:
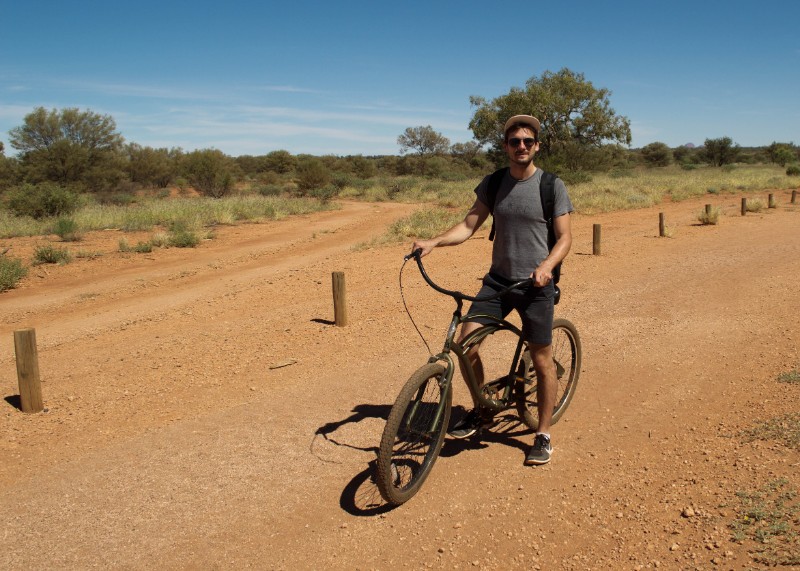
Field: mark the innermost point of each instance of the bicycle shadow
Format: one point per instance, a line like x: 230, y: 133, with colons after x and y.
x: 507, y: 430
x: 361, y: 497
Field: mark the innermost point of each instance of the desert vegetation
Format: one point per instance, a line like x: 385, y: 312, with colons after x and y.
x: 74, y: 172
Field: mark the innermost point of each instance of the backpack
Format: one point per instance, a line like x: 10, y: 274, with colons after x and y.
x: 547, y: 191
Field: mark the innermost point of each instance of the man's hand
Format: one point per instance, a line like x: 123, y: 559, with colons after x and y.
x: 425, y: 245
x: 542, y: 275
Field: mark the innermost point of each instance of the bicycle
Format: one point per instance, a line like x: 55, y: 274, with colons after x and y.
x: 415, y: 430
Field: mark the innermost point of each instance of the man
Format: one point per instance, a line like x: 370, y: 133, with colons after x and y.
x: 520, y: 250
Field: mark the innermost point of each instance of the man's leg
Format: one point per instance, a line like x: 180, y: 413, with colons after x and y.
x: 547, y: 384
x: 542, y: 356
x: 473, y: 355
x: 472, y: 422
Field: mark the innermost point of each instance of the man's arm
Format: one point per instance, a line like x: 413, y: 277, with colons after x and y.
x: 563, y: 229
x: 459, y: 233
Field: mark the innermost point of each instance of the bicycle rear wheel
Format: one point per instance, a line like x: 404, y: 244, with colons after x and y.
x: 414, y: 434
x: 567, y: 357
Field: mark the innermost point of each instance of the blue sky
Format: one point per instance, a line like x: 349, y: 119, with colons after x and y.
x: 349, y: 77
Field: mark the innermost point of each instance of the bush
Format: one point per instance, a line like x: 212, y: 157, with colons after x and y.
x: 709, y: 217
x: 210, y: 171
x: 51, y: 255
x: 793, y: 170
x: 325, y: 193
x: 41, y: 200
x: 181, y: 237
x: 11, y: 271
x: 311, y: 173
x: 67, y: 229
x: 755, y: 205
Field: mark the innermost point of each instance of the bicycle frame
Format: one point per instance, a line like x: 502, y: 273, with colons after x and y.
x: 462, y: 349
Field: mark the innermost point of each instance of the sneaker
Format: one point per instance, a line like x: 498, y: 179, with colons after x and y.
x: 467, y: 426
x: 540, y: 451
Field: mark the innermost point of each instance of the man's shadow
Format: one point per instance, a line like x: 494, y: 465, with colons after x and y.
x: 361, y: 496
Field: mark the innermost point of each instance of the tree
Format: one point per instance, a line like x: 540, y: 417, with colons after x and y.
x: 465, y: 151
x: 657, y: 154
x: 8, y: 170
x: 312, y: 174
x: 280, y: 162
x: 152, y: 167
x: 69, y: 147
x: 424, y: 140
x: 210, y: 171
x: 782, y: 153
x: 719, y: 152
x: 576, y: 117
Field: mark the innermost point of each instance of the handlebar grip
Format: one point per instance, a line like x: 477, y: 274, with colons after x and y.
x: 415, y: 254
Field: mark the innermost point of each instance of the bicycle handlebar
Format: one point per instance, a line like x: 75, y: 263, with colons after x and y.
x: 457, y: 294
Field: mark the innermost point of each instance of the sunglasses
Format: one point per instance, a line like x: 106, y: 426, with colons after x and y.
x: 515, y: 141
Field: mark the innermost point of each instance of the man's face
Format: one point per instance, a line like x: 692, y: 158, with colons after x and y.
x: 517, y: 145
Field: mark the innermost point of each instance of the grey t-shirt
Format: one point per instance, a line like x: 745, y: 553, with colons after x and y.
x: 520, y: 241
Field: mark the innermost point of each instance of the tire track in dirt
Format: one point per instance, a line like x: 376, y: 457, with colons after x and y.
x: 681, y: 349
x: 68, y: 308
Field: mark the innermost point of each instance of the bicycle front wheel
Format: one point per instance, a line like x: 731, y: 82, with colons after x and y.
x: 414, y: 434
x: 567, y: 357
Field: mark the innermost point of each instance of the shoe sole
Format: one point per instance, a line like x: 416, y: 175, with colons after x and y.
x: 462, y: 436
x: 534, y: 462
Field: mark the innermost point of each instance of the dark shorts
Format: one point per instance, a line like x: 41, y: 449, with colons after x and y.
x: 533, y: 304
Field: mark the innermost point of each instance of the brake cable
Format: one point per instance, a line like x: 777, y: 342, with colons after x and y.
x: 405, y: 305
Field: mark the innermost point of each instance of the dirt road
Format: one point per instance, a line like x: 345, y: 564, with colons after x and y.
x: 204, y: 413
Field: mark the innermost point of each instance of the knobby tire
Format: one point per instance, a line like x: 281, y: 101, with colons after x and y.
x: 414, y: 434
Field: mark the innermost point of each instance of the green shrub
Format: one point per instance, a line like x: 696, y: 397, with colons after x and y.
x: 51, y: 255
x: 143, y: 247
x: 139, y: 248
x: 67, y: 229
x: 180, y: 236
x: 11, y: 271
x: 41, y: 200
x: 793, y: 170
x: 342, y: 180
x: 325, y: 193
x: 312, y: 173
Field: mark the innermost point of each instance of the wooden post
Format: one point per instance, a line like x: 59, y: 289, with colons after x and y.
x: 794, y: 196
x: 661, y: 226
x: 339, y: 299
x: 744, y: 206
x: 596, y: 239
x: 708, y: 211
x: 771, y: 201
x: 30, y: 388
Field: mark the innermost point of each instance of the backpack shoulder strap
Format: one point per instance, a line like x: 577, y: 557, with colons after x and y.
x: 547, y: 191
x: 495, y: 179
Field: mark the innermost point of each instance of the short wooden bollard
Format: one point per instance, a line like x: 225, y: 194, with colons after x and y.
x: 708, y: 211
x: 771, y: 201
x: 596, y: 239
x: 662, y: 230
x: 744, y: 206
x: 30, y: 388
x: 794, y: 196
x: 339, y: 299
